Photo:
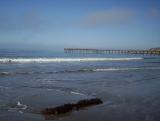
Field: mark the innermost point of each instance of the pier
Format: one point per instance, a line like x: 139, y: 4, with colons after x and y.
x: 111, y: 51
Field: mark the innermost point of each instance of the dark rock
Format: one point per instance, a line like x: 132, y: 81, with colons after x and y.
x: 63, y: 109
x: 89, y: 102
x: 59, y: 109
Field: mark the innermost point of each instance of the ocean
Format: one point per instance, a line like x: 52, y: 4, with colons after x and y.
x: 128, y: 85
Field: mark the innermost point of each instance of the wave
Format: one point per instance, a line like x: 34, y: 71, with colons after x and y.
x: 77, y: 93
x: 5, y: 73
x: 17, y: 107
x: 81, y: 70
x: 3, y: 87
x: 124, y: 69
x: 49, y: 60
x: 116, y: 69
x: 21, y: 106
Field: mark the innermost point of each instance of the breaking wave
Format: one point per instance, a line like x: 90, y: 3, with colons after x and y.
x: 80, y: 70
x: 119, y: 69
x: 50, y: 60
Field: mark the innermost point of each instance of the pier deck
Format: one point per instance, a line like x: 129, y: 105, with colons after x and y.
x: 110, y: 51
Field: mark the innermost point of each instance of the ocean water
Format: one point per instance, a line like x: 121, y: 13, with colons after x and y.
x: 129, y: 85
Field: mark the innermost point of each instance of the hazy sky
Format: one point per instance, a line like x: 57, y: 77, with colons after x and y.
x: 55, y: 24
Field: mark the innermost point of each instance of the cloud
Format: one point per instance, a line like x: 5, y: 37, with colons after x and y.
x: 154, y: 13
x: 5, y: 22
x: 108, y: 17
x: 29, y: 21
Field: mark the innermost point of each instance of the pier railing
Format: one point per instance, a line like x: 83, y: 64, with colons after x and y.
x: 110, y: 51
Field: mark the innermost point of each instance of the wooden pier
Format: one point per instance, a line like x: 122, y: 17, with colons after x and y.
x: 110, y: 51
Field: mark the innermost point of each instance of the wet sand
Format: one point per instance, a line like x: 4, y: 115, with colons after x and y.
x: 118, y: 104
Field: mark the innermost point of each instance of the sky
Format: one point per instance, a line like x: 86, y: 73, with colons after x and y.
x: 58, y: 24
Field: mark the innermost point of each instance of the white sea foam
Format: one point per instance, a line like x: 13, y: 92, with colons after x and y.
x: 48, y: 60
x: 116, y: 69
x: 18, y: 107
x: 21, y: 106
x: 125, y: 69
x: 5, y: 73
x: 77, y: 93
